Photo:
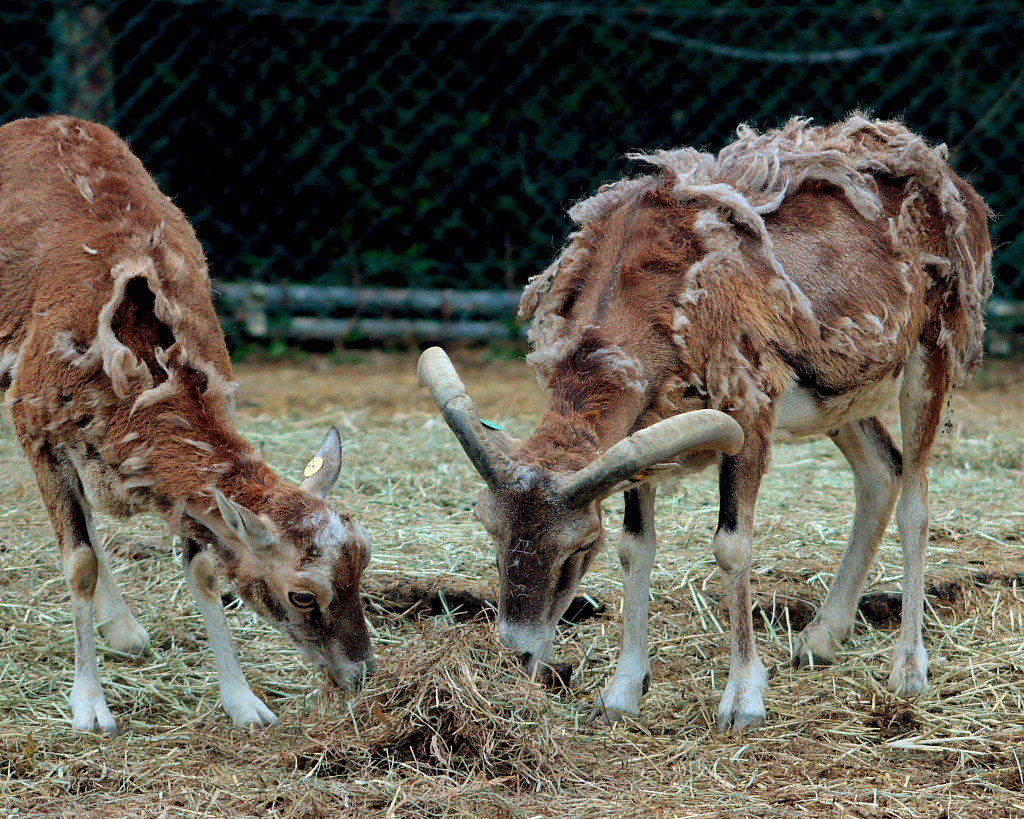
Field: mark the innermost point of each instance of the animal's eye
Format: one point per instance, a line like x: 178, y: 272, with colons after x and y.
x: 302, y: 600
x: 584, y: 548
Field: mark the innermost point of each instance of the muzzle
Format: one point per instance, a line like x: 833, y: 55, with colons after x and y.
x: 351, y: 676
x: 531, y: 644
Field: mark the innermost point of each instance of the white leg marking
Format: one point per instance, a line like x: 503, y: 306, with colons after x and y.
x: 89, y: 710
x: 875, y: 464
x: 924, y: 393
x: 120, y: 630
x: 240, y: 703
x: 909, y: 675
x: 742, y: 704
x: 637, y: 547
x: 69, y: 510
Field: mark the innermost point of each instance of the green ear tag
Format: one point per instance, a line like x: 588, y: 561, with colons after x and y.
x: 491, y: 424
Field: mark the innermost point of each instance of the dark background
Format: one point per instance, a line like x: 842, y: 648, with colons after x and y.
x: 439, y: 144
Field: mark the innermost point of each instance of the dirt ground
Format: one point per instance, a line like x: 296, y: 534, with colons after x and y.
x: 837, y: 745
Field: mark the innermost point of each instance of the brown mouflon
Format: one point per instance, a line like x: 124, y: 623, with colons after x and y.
x: 119, y: 386
x: 798, y: 282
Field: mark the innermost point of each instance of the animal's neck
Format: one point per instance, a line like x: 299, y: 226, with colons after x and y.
x: 607, y: 412
x: 581, y: 423
x: 183, y: 451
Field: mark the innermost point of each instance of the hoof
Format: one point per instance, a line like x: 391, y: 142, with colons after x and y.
x: 739, y: 720
x: 606, y: 716
x: 816, y: 645
x: 810, y: 659
x: 742, y: 706
x: 246, y: 709
x: 124, y: 633
x: 620, y: 699
x: 909, y: 675
x: 555, y: 676
x: 90, y: 713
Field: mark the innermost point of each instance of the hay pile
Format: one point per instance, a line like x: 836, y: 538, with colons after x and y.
x: 449, y: 729
x: 447, y: 703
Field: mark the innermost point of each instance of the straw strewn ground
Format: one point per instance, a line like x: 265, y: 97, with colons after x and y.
x: 449, y: 729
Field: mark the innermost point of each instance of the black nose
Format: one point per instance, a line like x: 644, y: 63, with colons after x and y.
x: 525, y: 657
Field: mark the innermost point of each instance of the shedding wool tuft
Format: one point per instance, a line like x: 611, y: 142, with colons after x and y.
x: 752, y: 177
x: 90, y: 360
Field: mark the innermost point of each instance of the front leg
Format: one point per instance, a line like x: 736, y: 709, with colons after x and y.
x: 637, y: 546
x: 742, y: 704
x: 240, y: 703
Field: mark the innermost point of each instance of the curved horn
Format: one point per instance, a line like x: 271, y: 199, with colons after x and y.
x: 438, y: 375
x: 695, y: 431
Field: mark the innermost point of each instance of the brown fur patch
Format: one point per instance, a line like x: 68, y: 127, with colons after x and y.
x: 816, y: 257
x: 114, y: 353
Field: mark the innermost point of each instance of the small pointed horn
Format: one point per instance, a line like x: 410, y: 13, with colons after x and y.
x: 695, y: 431
x: 438, y: 375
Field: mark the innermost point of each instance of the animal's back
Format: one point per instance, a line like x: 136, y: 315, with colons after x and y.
x: 76, y: 208
x: 860, y: 281
x: 814, y: 257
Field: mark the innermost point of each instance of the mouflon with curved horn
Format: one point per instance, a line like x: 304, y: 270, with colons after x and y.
x: 796, y: 282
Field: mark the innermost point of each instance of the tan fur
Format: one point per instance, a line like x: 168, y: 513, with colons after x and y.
x: 114, y: 361
x: 818, y: 243
x: 797, y: 281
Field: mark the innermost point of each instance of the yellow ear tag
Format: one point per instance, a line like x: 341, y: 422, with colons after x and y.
x: 313, y: 467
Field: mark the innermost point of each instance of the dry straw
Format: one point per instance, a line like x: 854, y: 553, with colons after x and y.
x: 449, y: 728
x: 448, y: 704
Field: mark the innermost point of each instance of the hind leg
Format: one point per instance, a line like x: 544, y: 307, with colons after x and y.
x: 120, y: 630
x: 926, y: 386
x: 877, y: 466
x: 68, y: 509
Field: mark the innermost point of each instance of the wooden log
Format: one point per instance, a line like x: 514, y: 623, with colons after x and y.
x: 1005, y: 309
x: 376, y: 299
x: 440, y: 315
x: 1005, y: 333
x: 376, y: 329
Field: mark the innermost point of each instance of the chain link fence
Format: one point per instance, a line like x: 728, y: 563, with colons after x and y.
x: 438, y: 144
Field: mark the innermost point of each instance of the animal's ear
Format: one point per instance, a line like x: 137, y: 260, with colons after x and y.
x: 322, y: 472
x: 246, y: 524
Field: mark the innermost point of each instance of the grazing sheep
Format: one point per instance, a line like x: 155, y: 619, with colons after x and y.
x: 119, y: 386
x: 797, y: 282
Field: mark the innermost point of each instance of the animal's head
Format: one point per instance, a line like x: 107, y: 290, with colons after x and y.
x: 299, y: 564
x: 546, y: 525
